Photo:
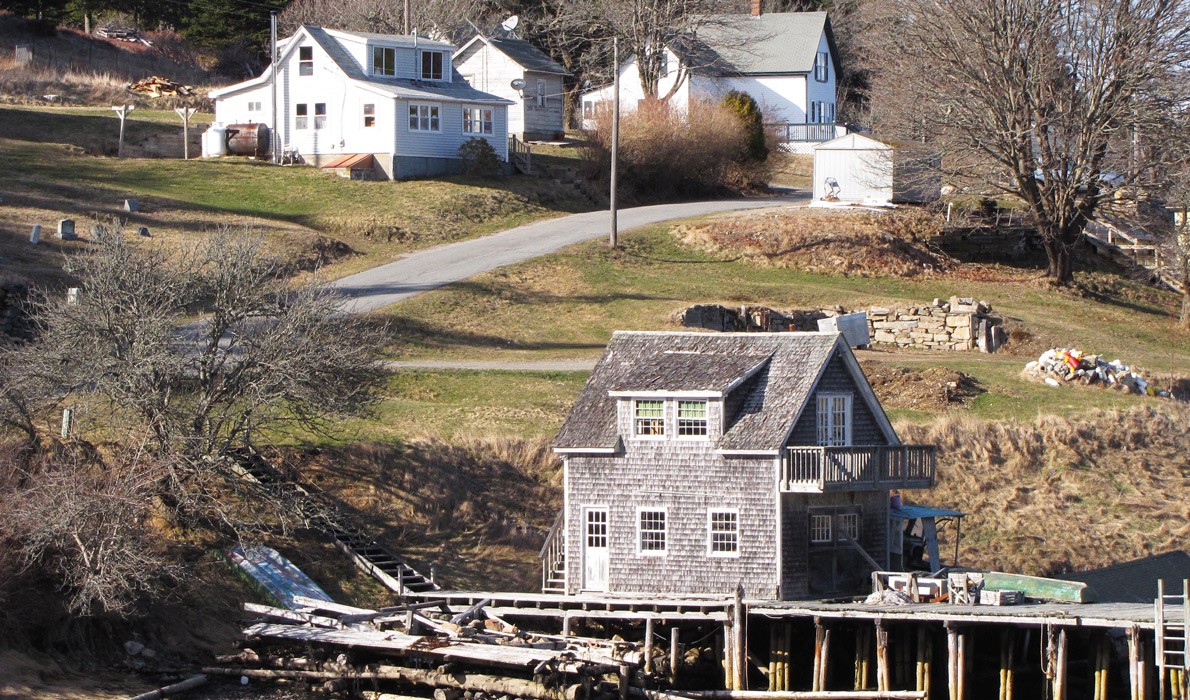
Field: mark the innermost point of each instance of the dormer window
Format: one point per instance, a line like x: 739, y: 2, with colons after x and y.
x: 834, y: 419
x: 649, y: 418
x: 822, y: 66
x: 431, y: 65
x: 305, y: 60
x: 384, y: 61
x: 692, y: 418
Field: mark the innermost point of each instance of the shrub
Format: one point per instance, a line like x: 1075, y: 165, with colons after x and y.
x: 665, y: 153
x: 747, y: 111
x: 479, y: 157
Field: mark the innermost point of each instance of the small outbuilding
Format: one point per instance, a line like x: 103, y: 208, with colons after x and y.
x: 862, y: 169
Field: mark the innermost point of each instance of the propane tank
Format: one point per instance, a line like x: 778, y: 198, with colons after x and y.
x: 214, y: 141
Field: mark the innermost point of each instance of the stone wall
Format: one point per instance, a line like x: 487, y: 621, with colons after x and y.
x: 958, y: 324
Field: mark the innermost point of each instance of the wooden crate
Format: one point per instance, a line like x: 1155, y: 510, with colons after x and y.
x: 1001, y: 597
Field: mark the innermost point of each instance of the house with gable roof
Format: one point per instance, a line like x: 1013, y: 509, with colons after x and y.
x: 694, y: 462
x: 492, y: 64
x: 346, y: 96
x: 787, y: 62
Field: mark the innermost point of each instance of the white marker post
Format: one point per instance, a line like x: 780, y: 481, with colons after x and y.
x: 122, y: 112
x: 185, y: 113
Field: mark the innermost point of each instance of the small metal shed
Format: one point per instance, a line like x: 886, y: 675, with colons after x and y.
x: 857, y: 168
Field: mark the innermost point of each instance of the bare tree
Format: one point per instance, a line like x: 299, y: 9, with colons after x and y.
x: 448, y: 19
x: 1031, y: 97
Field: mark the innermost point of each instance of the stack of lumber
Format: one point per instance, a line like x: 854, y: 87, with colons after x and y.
x: 156, y: 86
x: 422, y: 644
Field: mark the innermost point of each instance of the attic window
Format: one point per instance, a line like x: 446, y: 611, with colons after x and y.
x: 431, y: 65
x: 384, y: 61
x: 822, y: 66
x: 305, y: 60
x: 649, y: 418
x: 692, y: 418
x: 834, y: 420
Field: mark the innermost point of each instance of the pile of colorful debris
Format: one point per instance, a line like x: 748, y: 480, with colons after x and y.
x: 1063, y: 365
x: 155, y: 86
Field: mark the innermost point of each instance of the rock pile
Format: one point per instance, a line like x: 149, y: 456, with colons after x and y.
x: 1065, y: 365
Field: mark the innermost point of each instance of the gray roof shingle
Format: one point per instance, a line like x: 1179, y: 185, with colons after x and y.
x: 650, y: 361
x: 780, y: 42
x: 527, y: 55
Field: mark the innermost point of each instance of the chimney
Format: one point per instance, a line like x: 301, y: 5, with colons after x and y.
x: 756, y: 10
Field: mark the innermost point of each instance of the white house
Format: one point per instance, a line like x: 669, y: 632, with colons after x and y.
x: 856, y: 168
x: 786, y: 61
x: 492, y: 64
x: 396, y: 98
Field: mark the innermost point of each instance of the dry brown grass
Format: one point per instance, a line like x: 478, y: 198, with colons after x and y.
x: 476, y: 509
x: 1062, y: 494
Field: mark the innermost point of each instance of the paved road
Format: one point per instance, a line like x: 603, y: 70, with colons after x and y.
x: 435, y: 267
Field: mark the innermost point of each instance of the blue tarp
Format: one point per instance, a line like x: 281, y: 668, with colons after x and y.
x: 911, y: 512
x: 276, y: 575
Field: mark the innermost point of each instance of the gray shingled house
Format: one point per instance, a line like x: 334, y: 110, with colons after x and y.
x: 698, y: 461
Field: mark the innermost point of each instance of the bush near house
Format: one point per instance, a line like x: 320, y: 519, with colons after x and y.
x: 479, y: 158
x: 748, y: 112
x: 666, y: 154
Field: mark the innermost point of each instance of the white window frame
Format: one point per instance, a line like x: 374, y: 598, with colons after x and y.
x: 385, y: 69
x: 849, y: 521
x: 821, y: 528
x: 485, y: 121
x: 443, y: 68
x: 705, y: 420
x: 369, y: 115
x: 319, y: 115
x: 827, y: 431
x: 433, y: 113
x: 254, y: 106
x: 541, y: 87
x: 640, y: 531
x: 638, y: 420
x: 301, y: 116
x: 734, y: 533
x: 305, y: 60
x: 822, y: 69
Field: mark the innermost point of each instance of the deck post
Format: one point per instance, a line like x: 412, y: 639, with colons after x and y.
x: 1135, y: 679
x: 822, y: 645
x: 882, y: 670
x: 625, y: 677
x: 955, y: 659
x: 1007, y: 662
x: 674, y: 655
x: 729, y: 651
x: 925, y: 652
x: 1102, y: 665
x: 1056, y: 644
x: 566, y: 625
x: 739, y: 664
x: 863, y: 646
x: 649, y: 645
x: 774, y: 656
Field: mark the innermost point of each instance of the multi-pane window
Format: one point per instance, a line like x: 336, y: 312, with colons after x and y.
x: 301, y: 116
x: 384, y: 60
x: 820, y: 528
x: 369, y: 115
x: 540, y: 93
x: 649, y: 417
x: 319, y: 115
x: 424, y: 118
x: 692, y: 418
x: 834, y: 419
x: 849, y: 525
x: 822, y: 66
x: 305, y: 60
x: 477, y: 120
x: 253, y: 106
x: 597, y: 528
x: 652, y: 532
x: 723, y: 533
x: 431, y: 65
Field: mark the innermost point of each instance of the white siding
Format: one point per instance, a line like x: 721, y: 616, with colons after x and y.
x: 782, y: 98
x: 233, y: 109
x: 864, y: 174
x: 492, y: 72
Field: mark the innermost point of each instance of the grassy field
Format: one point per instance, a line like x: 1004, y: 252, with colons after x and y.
x: 54, y: 164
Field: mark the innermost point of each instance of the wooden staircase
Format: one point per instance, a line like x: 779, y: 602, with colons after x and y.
x: 1172, y: 652
x: 320, y: 513
x: 553, y: 559
x: 520, y: 155
x: 1131, y: 247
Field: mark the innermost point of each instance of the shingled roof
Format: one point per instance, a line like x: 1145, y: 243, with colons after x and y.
x: 783, y: 367
x: 767, y: 44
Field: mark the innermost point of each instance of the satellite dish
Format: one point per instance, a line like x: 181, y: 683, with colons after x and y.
x: 517, y: 84
x: 511, y: 23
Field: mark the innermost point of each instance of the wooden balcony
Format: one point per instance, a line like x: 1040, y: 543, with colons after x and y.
x: 857, y: 468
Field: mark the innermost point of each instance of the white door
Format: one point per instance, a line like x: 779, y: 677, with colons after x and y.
x: 595, y: 560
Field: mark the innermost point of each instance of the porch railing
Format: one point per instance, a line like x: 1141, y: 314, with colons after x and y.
x: 857, y: 468
x: 553, y: 559
x: 800, y: 133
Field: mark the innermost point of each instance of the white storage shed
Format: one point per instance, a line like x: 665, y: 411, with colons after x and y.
x: 858, y: 168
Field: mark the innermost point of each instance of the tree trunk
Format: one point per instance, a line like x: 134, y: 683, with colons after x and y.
x: 1059, y: 242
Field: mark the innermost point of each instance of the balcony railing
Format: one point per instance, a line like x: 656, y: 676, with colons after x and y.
x: 857, y: 468
x: 795, y: 133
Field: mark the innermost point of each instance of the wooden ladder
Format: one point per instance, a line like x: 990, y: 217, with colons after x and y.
x: 320, y: 513
x: 1173, y: 654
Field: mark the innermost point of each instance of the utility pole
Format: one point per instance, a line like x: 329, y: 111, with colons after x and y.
x: 185, y: 113
x: 273, y: 145
x: 615, y: 233
x: 406, y: 17
x: 122, y: 112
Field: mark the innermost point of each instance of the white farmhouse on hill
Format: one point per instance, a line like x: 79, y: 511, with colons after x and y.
x: 492, y: 64
x: 786, y: 61
x: 395, y: 98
